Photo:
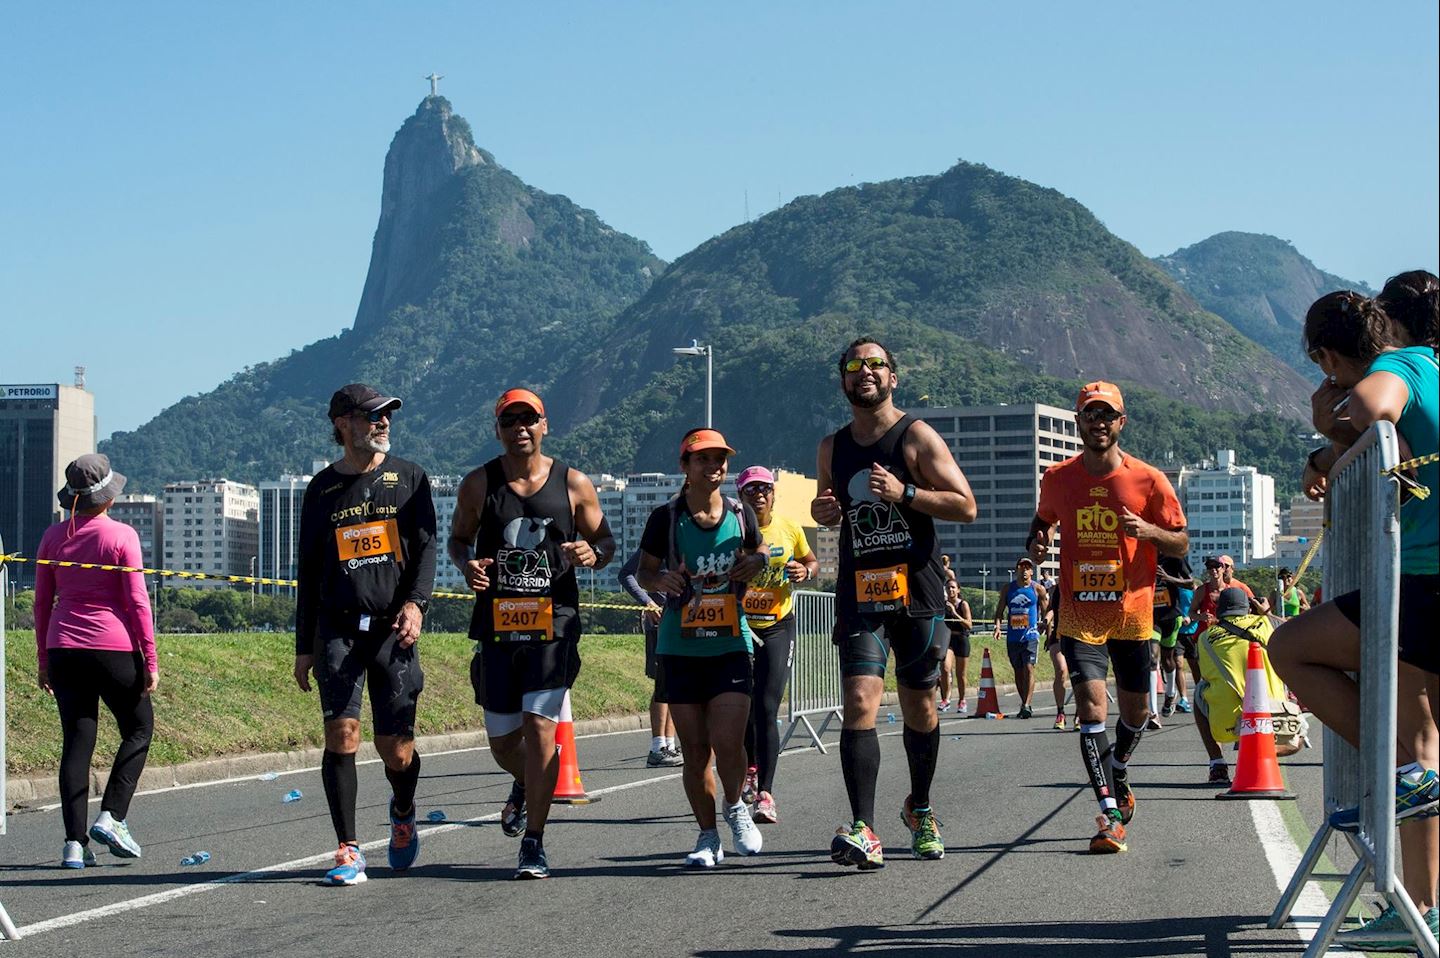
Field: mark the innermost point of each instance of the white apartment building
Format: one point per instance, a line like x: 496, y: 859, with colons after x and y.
x: 1003, y: 451
x: 212, y: 526
x: 144, y: 514
x: 1230, y: 510
x: 444, y: 490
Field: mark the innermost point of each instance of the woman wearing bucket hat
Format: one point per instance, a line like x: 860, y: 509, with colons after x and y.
x: 95, y: 643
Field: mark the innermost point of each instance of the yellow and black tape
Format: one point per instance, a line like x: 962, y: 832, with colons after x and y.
x: 1416, y: 489
x: 246, y: 579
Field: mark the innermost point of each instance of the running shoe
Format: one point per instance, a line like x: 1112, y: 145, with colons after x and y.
x: 751, y: 787
x: 963, y: 709
x: 1220, y: 775
x: 1152, y: 724
x: 857, y: 845
x: 1110, y: 839
x: 533, y: 863
x: 1385, y: 932
x: 1417, y: 795
x: 1168, y: 709
x: 76, y: 855
x: 512, y: 816
x: 944, y: 706
x: 115, y: 835
x: 662, y: 758
x: 765, y: 813
x: 676, y: 754
x: 1025, y: 712
x: 1060, y: 721
x: 707, y: 853
x: 1183, y: 705
x: 349, y: 866
x: 1124, y: 798
x: 404, y: 845
x: 742, y: 830
x: 925, y: 840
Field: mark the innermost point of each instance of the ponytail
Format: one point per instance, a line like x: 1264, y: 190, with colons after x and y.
x: 1349, y: 323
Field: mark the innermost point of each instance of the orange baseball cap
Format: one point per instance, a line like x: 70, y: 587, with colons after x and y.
x: 704, y: 439
x: 1100, y: 391
x: 521, y: 397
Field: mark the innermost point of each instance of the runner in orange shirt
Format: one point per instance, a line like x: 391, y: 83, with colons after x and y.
x: 1116, y: 514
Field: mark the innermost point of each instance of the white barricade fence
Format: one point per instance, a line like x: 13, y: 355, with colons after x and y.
x: 1362, y: 552
x: 815, y: 669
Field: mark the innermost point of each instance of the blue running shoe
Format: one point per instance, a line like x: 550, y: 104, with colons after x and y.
x: 115, y: 835
x: 349, y: 866
x: 77, y: 855
x: 1417, y: 795
x: 1387, y: 931
x: 404, y: 841
x: 533, y: 863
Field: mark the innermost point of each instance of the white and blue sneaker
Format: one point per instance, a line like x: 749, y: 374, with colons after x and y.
x: 114, y: 834
x: 707, y: 853
x: 77, y: 855
x: 349, y: 866
x: 748, y: 840
x: 404, y: 844
x: 1417, y: 795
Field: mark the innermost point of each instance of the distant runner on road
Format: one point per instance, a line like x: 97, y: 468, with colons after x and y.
x: 1116, y: 514
x: 1019, y: 615
x: 885, y: 478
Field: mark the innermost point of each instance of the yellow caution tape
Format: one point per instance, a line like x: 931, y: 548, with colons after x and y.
x: 246, y: 579
x: 1310, y: 552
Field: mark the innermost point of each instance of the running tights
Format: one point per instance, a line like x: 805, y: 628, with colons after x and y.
x: 82, y: 678
x: 772, y: 672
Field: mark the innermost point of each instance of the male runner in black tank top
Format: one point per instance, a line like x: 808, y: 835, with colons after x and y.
x: 523, y: 523
x: 884, y: 479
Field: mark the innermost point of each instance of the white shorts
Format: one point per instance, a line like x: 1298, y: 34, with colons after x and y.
x: 547, y: 703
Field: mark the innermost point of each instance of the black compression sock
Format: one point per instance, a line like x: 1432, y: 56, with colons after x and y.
x: 1095, y: 752
x: 402, y: 785
x: 537, y: 837
x: 337, y: 772
x: 1126, y: 738
x: 921, y: 749
x: 860, y: 764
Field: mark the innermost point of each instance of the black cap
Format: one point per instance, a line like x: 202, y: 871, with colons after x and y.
x: 358, y: 397
x: 1232, y: 601
x: 1213, y: 563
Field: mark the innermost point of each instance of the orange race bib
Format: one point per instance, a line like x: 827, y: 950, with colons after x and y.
x: 368, y: 539
x: 1019, y: 620
x: 883, y: 590
x: 523, y: 619
x: 1162, y: 597
x: 1097, y: 580
x: 762, y: 604
x: 713, y: 617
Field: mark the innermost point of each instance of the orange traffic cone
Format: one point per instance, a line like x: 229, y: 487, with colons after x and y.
x: 1257, y: 773
x: 989, y: 701
x: 568, y: 788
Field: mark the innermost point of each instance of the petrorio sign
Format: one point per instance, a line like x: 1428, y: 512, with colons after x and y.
x: 47, y: 391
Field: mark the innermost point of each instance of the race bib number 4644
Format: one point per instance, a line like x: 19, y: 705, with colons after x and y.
x: 883, y: 590
x: 368, y: 539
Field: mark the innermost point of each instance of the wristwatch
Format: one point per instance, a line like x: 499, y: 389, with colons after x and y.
x: 422, y: 604
x: 908, y: 496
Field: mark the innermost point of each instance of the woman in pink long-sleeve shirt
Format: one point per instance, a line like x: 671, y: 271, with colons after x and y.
x: 95, y: 643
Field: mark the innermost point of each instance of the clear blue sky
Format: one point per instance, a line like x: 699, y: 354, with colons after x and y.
x: 191, y: 187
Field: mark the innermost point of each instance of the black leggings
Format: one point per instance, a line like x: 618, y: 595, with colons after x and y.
x: 81, y: 678
x: 772, y: 671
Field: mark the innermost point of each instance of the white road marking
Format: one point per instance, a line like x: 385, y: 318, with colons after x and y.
x: 1284, y: 857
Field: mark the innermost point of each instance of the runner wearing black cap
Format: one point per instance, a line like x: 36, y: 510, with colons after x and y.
x: 885, y: 478
x: 523, y: 523
x: 1019, y: 614
x: 367, y: 567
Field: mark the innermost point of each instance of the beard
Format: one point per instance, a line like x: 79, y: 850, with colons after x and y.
x: 860, y: 401
x: 372, y: 444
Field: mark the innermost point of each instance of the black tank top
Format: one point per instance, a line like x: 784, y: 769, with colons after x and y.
x: 533, y: 594
x: 878, y: 539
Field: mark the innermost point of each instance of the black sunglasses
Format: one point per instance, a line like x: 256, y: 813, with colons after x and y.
x: 508, y: 420
x: 375, y: 416
x: 758, y: 489
x: 1102, y: 414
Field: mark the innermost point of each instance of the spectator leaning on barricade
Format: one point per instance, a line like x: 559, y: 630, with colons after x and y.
x: 95, y: 643
x: 1412, y: 303
x: 1374, y: 379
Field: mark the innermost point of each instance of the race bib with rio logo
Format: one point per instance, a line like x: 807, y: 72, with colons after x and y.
x: 712, y: 617
x: 367, y: 540
x: 882, y: 590
x: 523, y: 619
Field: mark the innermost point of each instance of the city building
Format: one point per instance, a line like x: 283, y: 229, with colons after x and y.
x: 146, y: 515
x: 1300, y: 527
x: 1229, y: 510
x: 279, y: 530
x: 1003, y: 451
x: 444, y: 491
x: 212, y: 526
x: 43, y: 427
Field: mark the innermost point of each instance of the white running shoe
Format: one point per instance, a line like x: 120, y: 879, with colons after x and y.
x: 707, y: 853
x: 76, y: 856
x: 742, y: 829
x: 963, y: 710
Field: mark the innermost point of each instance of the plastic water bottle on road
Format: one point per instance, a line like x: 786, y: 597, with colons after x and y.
x: 199, y: 858
x: 437, y: 816
x: 294, y: 795
x: 269, y: 776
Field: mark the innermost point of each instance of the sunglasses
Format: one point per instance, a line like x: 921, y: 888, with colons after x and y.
x: 509, y: 419
x: 868, y: 362
x: 1103, y: 414
x: 374, y: 417
x: 758, y: 489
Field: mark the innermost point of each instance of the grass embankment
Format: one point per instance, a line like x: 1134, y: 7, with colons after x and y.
x: 232, y: 693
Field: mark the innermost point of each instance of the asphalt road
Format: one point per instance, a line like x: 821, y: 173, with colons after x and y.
x: 1016, y: 879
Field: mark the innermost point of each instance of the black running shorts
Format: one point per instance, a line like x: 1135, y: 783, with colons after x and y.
x: 1130, y: 658
x: 865, y: 643
x: 960, y: 643
x: 502, y: 672
x: 1419, y: 610
x: 347, y: 661
x: 696, y: 679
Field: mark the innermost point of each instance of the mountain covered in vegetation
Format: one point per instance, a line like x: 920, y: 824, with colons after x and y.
x: 1259, y: 284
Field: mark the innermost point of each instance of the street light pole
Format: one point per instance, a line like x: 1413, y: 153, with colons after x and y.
x: 695, y: 349
x: 252, y: 584
x: 984, y: 579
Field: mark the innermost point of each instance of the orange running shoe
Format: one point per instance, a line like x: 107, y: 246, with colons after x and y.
x: 1111, y: 837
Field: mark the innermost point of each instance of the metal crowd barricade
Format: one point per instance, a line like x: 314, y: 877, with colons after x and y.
x: 815, y: 668
x: 7, y: 927
x: 1362, y: 551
